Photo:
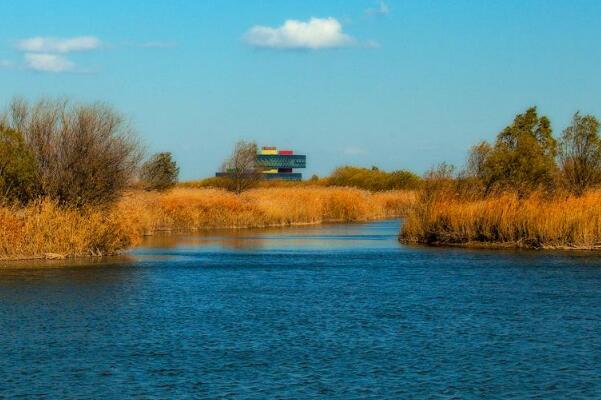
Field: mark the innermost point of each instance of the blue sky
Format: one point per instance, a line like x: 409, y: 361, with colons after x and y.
x: 398, y: 84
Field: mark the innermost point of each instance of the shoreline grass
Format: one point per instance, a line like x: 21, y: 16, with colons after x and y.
x: 44, y: 230
x: 538, y: 221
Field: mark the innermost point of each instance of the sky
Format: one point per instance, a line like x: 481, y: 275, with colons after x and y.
x: 396, y: 84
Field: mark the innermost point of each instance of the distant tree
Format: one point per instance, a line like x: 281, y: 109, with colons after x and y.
x: 160, y: 172
x: 580, y: 153
x: 438, y: 181
x: 17, y: 167
x: 441, y: 172
x: 373, y: 179
x: 403, y: 179
x: 314, y: 178
x: 241, y: 167
x: 477, y: 159
x: 523, y: 157
x: 85, y: 154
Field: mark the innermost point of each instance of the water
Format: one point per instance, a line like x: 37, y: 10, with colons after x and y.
x: 337, y: 312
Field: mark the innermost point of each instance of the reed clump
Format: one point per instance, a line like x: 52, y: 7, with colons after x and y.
x: 43, y: 229
x: 539, y: 220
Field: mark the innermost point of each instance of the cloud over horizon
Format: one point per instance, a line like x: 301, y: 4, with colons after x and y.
x: 314, y: 34
x: 41, y: 44
x: 48, y: 62
x: 46, y: 54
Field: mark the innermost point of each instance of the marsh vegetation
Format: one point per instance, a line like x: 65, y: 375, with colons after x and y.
x: 528, y: 189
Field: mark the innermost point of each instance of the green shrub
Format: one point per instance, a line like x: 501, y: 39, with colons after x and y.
x: 580, y: 154
x: 17, y: 167
x: 159, y: 172
x: 523, y: 157
x: 373, y: 179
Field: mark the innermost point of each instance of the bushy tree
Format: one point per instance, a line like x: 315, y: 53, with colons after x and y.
x: 160, y: 172
x: 86, y: 154
x: 241, y: 167
x: 523, y: 157
x: 17, y: 167
x: 580, y: 153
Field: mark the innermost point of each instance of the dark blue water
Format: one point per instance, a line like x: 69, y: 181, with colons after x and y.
x: 336, y: 312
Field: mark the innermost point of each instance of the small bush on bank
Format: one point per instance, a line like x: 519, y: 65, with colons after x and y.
x: 373, y: 179
x: 160, y: 172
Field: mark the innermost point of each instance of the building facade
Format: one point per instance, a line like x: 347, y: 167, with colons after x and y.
x: 280, y: 164
x: 277, y: 164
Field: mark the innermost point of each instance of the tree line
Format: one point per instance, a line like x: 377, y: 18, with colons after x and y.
x: 88, y: 154
x: 244, y: 173
x: 76, y: 154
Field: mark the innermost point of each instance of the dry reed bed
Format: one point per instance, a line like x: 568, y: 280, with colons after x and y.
x: 45, y: 230
x: 561, y: 222
x: 193, y: 209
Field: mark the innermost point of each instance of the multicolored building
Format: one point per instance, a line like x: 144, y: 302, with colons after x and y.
x: 280, y: 164
x: 277, y: 164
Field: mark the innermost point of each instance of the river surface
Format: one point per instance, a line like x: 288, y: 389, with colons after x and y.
x: 327, y: 312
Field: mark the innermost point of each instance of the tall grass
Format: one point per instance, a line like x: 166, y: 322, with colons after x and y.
x: 536, y: 221
x: 43, y: 229
x: 193, y: 209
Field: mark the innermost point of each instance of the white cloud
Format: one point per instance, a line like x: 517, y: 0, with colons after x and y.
x: 48, y: 62
x: 380, y: 9
x: 42, y: 44
x: 316, y: 33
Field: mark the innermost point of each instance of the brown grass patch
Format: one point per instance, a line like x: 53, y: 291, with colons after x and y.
x: 193, y: 209
x: 43, y: 229
x: 534, y: 222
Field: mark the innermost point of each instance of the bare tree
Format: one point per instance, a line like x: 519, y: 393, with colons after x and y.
x: 241, y: 167
x: 580, y: 153
x: 85, y: 154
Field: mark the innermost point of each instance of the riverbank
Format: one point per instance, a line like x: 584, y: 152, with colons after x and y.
x: 44, y: 230
x: 536, y: 222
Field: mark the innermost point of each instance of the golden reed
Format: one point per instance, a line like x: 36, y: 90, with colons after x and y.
x: 44, y: 230
x: 537, y: 221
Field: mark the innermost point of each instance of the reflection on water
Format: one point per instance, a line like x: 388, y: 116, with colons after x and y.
x: 313, y: 312
x: 308, y: 237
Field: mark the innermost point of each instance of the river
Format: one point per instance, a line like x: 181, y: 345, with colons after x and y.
x: 315, y: 312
